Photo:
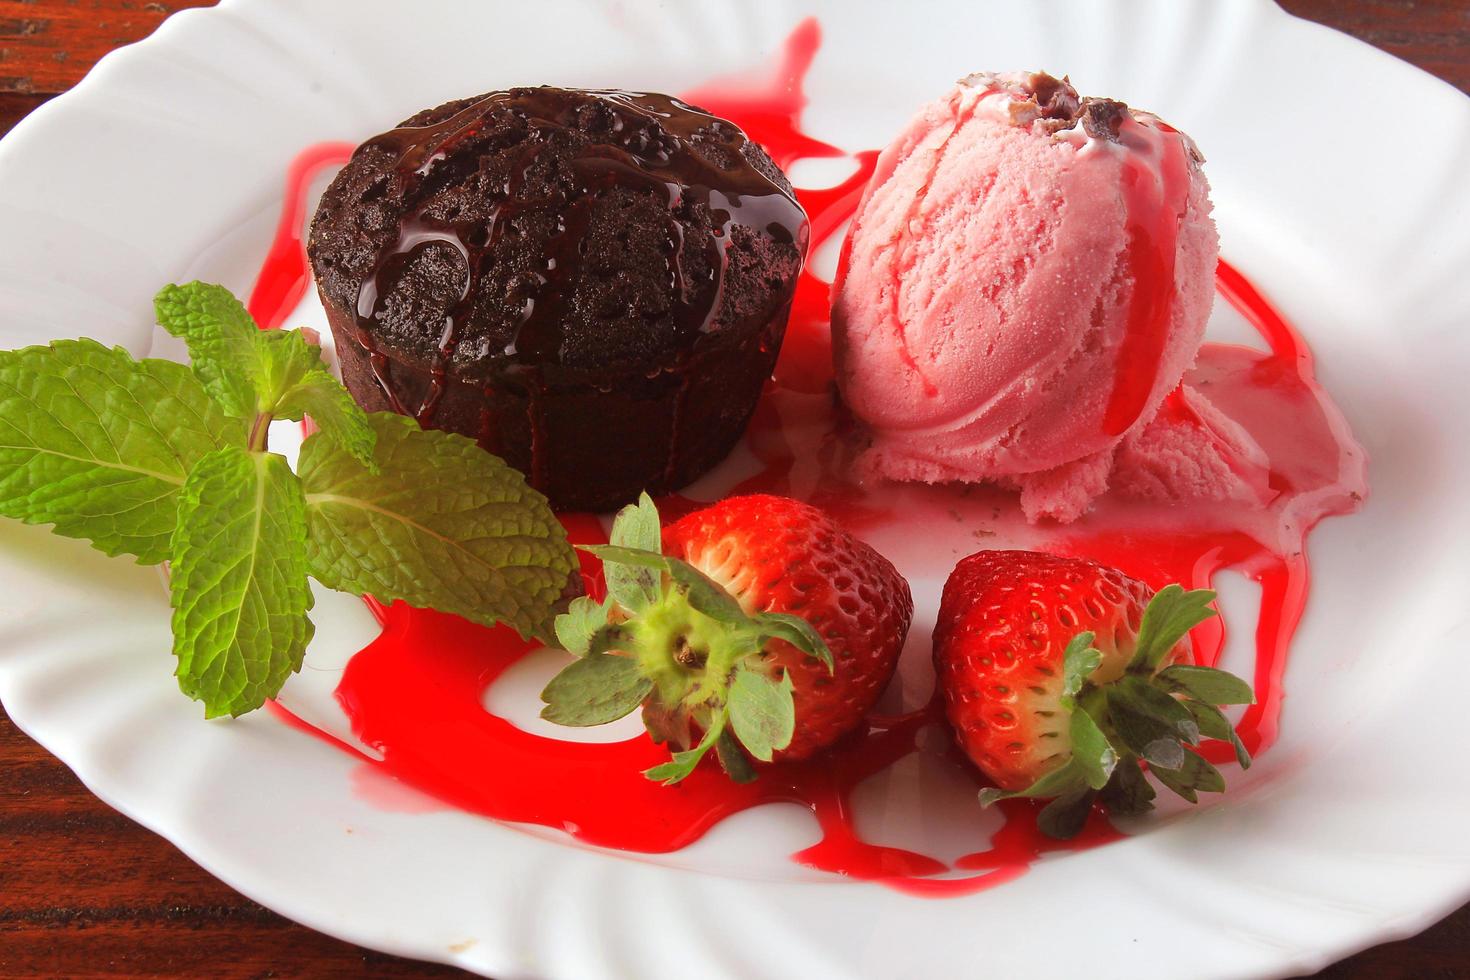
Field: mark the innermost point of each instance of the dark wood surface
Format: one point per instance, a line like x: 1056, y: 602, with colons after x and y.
x: 85, y: 892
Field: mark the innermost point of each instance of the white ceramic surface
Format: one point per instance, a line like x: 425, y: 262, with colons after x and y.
x: 1338, y: 176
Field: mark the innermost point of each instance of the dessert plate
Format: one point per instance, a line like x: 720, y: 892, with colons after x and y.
x: 1338, y: 182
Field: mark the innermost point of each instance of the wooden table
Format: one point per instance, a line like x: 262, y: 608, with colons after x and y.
x: 86, y: 892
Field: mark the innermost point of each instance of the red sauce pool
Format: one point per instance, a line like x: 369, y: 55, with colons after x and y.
x: 416, y: 694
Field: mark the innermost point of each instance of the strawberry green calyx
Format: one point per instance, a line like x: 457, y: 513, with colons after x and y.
x: 1152, y: 714
x: 671, y: 640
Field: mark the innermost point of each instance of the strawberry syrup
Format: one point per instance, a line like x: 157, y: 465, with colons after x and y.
x: 284, y: 276
x: 1156, y: 189
x: 416, y: 694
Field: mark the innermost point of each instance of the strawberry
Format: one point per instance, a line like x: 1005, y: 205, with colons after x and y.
x: 757, y: 627
x: 1060, y: 676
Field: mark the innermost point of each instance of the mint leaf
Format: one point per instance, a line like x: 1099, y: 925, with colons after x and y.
x: 1169, y: 616
x: 594, y: 691
x: 636, y: 527
x: 98, y: 444
x: 444, y: 525
x: 222, y: 340
x: 238, y: 583
x: 306, y: 387
x: 762, y: 711
x: 249, y: 371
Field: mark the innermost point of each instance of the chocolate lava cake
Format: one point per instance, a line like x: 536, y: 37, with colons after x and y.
x: 592, y: 284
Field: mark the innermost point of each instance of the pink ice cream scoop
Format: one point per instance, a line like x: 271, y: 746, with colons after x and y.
x: 1027, y: 278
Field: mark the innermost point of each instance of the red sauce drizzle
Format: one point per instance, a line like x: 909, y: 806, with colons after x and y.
x: 284, y: 276
x: 416, y: 693
x: 1156, y: 190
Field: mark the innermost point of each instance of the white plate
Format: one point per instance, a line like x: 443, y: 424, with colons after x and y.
x: 1339, y: 178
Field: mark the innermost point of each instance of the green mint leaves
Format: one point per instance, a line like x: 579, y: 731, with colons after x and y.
x: 673, y: 641
x: 443, y: 524
x: 99, y: 445
x: 256, y: 374
x: 238, y: 580
x: 224, y: 350
x: 170, y: 463
x: 1147, y: 716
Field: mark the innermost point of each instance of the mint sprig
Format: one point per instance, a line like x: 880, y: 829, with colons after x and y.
x: 443, y: 524
x: 99, y: 445
x: 168, y: 463
x: 257, y: 374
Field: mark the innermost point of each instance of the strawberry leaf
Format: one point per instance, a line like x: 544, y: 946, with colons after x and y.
x: 1208, y: 684
x: 636, y: 527
x: 612, y: 636
x: 1144, y: 697
x: 1092, y: 751
x: 762, y: 711
x: 1078, y: 663
x: 594, y: 691
x: 1213, y: 724
x: 1150, y: 737
x: 1170, y: 615
x: 665, y: 723
x: 1127, y: 792
x: 1192, y: 776
x: 734, y: 761
x: 683, y: 763
x: 1064, y: 817
x: 1164, y: 752
x: 796, y: 631
x: 617, y: 554
x: 705, y: 594
x: 576, y: 627
x: 695, y: 643
x: 1066, y: 778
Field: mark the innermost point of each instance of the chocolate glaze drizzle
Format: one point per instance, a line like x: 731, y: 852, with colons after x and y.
x: 643, y: 142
